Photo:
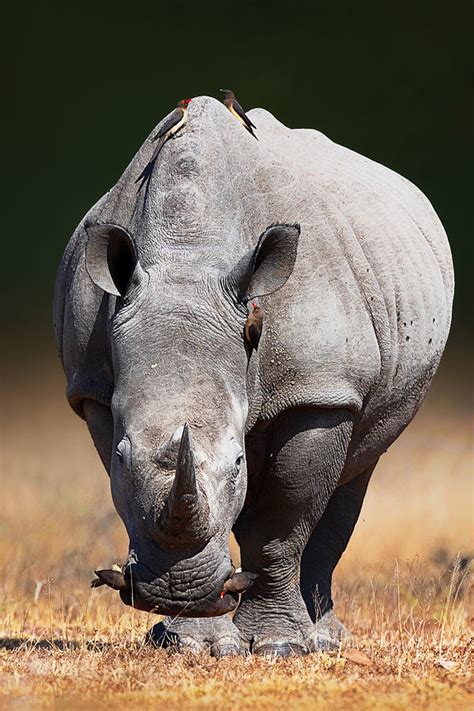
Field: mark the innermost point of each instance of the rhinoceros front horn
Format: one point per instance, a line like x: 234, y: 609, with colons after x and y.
x: 184, y: 519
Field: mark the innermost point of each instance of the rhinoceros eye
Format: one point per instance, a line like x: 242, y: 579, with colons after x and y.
x: 237, y: 468
x: 234, y: 475
x: 123, y: 450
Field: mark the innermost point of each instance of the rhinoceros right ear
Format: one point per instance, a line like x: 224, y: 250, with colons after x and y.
x: 269, y: 265
x: 110, y: 257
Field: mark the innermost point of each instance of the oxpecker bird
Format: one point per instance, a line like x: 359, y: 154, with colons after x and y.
x: 170, y: 127
x: 114, y: 578
x: 237, y: 111
x: 239, y: 582
x: 253, y: 325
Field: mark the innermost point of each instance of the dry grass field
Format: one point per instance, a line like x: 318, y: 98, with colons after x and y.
x: 64, y: 645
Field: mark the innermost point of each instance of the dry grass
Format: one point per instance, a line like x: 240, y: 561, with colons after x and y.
x: 66, y: 646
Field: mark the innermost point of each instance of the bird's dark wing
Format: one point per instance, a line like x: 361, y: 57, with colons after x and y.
x: 239, y: 110
x: 175, y: 117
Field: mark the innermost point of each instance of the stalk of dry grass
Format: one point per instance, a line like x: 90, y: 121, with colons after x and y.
x: 64, y: 645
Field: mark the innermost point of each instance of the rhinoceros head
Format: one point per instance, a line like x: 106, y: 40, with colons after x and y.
x: 179, y: 409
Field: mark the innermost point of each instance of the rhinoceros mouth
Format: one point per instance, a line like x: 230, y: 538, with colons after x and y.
x: 147, y: 597
x: 147, y: 592
x: 204, y: 586
x: 157, y: 595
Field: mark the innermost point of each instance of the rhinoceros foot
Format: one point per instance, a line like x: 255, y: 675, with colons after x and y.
x: 217, y: 636
x: 275, y: 628
x: 275, y: 647
x: 329, y: 633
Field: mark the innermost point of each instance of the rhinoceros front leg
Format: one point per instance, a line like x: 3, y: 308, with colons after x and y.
x: 215, y: 635
x: 321, y: 555
x: 305, y: 455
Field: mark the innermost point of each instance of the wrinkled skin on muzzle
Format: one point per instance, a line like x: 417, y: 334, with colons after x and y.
x: 184, y: 586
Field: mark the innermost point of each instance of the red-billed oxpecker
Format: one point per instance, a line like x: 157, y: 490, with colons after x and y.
x: 113, y: 577
x: 239, y: 582
x: 237, y: 111
x: 253, y: 325
x: 170, y: 128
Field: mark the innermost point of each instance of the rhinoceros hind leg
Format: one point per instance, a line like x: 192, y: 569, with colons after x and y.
x: 321, y: 555
x: 328, y: 634
x: 217, y: 636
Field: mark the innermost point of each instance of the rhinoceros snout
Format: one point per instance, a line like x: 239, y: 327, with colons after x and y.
x: 167, y: 595
x: 206, y: 585
x: 146, y: 597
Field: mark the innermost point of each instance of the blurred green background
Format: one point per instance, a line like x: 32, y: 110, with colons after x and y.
x: 387, y: 79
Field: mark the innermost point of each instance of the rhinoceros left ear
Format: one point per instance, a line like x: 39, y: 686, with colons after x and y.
x: 110, y: 257
x: 268, y: 267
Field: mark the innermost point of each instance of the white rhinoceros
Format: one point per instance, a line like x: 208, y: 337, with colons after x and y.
x: 203, y: 433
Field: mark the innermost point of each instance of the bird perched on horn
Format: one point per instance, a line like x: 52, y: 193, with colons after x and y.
x: 170, y: 128
x: 237, y: 111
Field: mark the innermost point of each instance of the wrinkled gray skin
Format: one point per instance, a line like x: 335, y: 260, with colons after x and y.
x: 282, y: 440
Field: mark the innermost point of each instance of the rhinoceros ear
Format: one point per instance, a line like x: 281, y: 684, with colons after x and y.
x: 110, y: 257
x: 268, y: 267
